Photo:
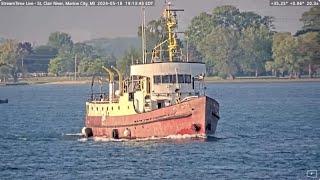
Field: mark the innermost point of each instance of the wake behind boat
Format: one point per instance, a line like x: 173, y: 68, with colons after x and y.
x: 162, y: 97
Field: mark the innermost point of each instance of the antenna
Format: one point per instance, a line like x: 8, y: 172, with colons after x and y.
x: 143, y: 34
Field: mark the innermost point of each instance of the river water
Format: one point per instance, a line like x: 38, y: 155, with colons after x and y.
x: 266, y: 131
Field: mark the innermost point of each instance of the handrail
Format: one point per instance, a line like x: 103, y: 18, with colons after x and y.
x: 101, y: 98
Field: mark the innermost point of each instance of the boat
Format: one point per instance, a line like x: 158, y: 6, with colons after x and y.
x: 5, y: 101
x: 162, y: 97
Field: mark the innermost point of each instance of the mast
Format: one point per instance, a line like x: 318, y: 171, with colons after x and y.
x: 171, y: 23
x: 143, y: 34
x: 172, y: 41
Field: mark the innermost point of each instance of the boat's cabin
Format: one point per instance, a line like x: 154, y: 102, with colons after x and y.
x: 158, y: 85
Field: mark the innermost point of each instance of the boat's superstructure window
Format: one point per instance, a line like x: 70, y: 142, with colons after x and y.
x: 172, y: 78
x: 187, y: 78
x: 181, y: 78
x: 165, y: 79
x: 157, y: 79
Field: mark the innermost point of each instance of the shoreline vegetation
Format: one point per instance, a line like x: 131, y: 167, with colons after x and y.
x: 241, y: 45
x: 214, y: 79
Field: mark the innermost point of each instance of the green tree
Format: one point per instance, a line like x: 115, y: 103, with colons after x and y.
x: 39, y: 60
x: 95, y: 67
x: 4, y: 73
x: 124, y: 62
x: 221, y: 51
x: 61, y: 41
x: 256, y: 45
x: 200, y: 27
x: 309, y: 49
x: 11, y: 55
x: 82, y: 50
x: 84, y: 65
x: 55, y: 66
x: 285, y: 54
x: 311, y: 19
x: 253, y: 39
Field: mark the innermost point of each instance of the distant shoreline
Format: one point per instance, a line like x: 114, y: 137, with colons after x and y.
x: 259, y: 80
x: 58, y: 81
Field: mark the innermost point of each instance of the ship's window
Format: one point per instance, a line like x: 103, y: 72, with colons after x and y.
x: 166, y: 79
x: 97, y: 108
x: 173, y: 79
x: 157, y: 79
x: 128, y: 107
x: 187, y: 78
x: 112, y: 108
x: 107, y: 108
x: 118, y: 107
x: 92, y: 108
x: 102, y: 108
x: 180, y: 78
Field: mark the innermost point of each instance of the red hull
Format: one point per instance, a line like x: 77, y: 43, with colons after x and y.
x: 194, y: 117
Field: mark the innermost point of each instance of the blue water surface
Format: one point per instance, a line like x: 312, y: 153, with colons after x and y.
x: 266, y: 131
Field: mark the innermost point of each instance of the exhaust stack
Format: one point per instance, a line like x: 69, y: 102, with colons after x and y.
x: 120, y: 80
x: 111, y: 83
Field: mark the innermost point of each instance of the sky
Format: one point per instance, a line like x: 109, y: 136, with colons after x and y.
x: 34, y: 24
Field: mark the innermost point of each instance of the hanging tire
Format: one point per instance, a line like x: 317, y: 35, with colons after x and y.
x: 87, y: 132
x: 115, y: 134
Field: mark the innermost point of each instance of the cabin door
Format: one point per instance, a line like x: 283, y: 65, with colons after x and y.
x: 160, y: 104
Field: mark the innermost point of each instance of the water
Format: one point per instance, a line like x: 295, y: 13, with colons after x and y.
x: 266, y: 131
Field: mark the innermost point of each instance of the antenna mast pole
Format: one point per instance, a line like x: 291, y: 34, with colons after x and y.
x: 143, y: 44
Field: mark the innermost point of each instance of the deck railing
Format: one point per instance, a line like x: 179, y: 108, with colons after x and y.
x: 101, y: 98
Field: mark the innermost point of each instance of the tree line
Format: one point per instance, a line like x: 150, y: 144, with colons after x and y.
x: 235, y: 43
x: 230, y: 42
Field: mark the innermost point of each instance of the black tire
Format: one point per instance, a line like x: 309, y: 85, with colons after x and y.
x: 115, y: 134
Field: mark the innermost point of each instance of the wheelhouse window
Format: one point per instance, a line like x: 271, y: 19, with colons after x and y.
x: 173, y: 79
x: 180, y: 78
x: 165, y: 79
x: 187, y: 78
x: 157, y: 79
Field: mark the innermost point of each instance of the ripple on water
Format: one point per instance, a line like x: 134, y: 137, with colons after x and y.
x: 266, y: 131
